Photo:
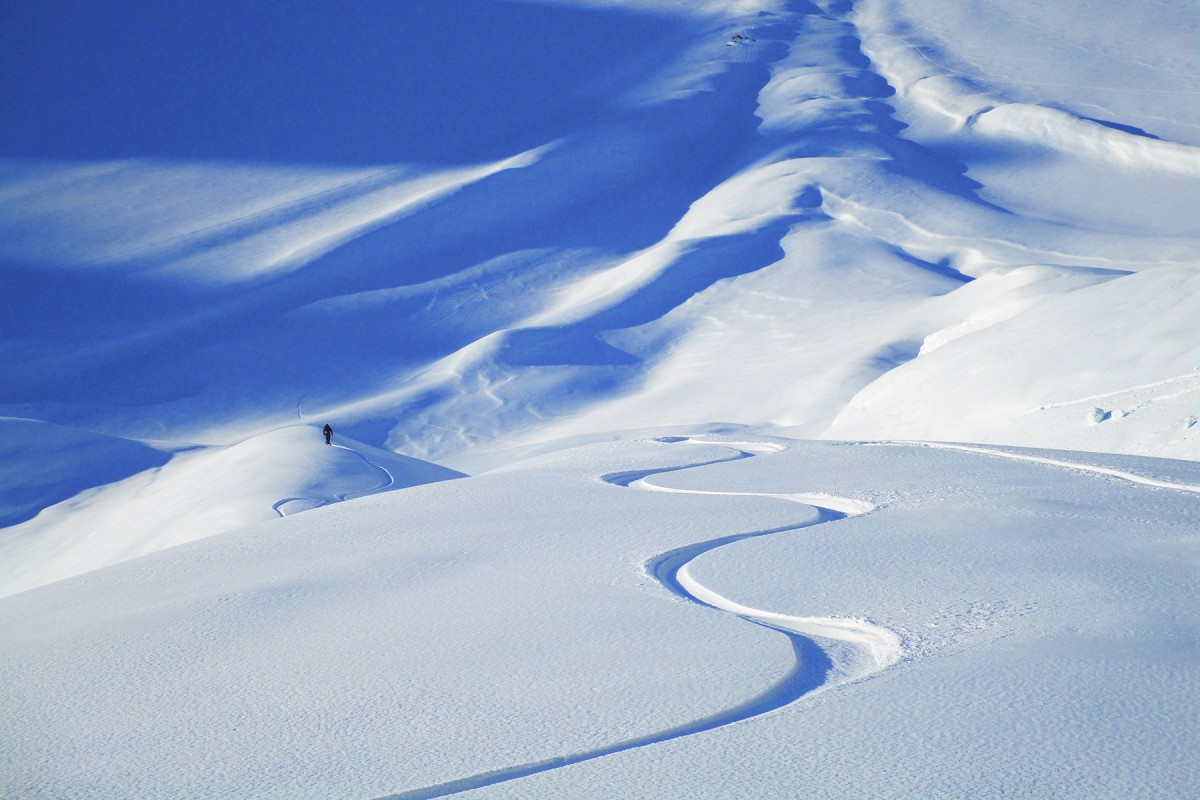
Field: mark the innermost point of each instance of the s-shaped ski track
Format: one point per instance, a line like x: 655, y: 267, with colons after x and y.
x: 310, y: 503
x: 859, y: 648
x: 827, y: 651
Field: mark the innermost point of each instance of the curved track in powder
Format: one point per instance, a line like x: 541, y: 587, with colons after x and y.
x: 826, y: 651
x: 388, y: 480
x: 309, y: 503
x: 1077, y: 466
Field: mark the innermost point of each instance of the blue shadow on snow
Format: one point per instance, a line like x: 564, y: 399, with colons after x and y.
x: 308, y: 81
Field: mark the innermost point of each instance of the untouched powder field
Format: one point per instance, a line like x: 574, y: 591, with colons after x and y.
x: 730, y: 398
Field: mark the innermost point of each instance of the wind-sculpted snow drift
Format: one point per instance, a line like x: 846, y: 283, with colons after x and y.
x: 644, y: 245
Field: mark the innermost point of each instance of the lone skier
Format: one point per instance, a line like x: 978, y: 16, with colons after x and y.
x: 328, y: 433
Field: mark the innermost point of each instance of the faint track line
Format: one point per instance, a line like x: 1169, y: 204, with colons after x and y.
x: 1054, y: 462
x: 388, y: 481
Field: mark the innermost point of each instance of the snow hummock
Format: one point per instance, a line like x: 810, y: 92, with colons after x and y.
x: 198, y: 493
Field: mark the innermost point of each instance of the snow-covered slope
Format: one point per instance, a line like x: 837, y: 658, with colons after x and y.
x: 440, y: 239
x: 200, y: 492
x: 676, y: 300
x: 42, y: 464
x: 619, y: 621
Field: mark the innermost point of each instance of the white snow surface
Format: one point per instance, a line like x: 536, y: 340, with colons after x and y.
x: 993, y: 624
x: 830, y: 400
x: 199, y: 493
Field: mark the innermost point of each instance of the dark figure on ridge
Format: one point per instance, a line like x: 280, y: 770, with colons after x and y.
x: 328, y: 433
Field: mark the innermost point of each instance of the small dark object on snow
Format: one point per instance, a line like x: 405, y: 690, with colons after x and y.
x: 328, y: 433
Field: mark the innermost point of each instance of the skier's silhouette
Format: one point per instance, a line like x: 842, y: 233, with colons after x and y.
x: 328, y: 433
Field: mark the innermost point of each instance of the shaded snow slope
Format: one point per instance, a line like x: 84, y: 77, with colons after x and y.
x: 198, y: 493
x: 441, y: 240
x: 42, y: 464
x: 535, y: 632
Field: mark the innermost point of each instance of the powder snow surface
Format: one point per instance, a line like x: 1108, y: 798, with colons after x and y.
x: 830, y: 398
x: 992, y: 625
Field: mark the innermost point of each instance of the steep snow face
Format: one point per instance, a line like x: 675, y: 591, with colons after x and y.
x: 504, y: 222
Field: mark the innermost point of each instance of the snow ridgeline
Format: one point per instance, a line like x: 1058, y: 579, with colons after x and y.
x: 570, y: 272
x: 959, y: 97
x: 877, y: 228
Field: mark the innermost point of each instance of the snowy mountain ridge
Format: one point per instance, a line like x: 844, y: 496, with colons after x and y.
x: 824, y: 161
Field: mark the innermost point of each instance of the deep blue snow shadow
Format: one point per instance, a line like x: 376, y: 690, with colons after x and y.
x: 1119, y: 126
x: 309, y: 81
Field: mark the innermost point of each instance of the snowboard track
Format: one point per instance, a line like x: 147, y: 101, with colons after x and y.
x: 387, y: 481
x: 1077, y: 466
x: 819, y: 645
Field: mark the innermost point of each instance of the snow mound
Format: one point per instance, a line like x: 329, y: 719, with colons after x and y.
x: 200, y: 493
